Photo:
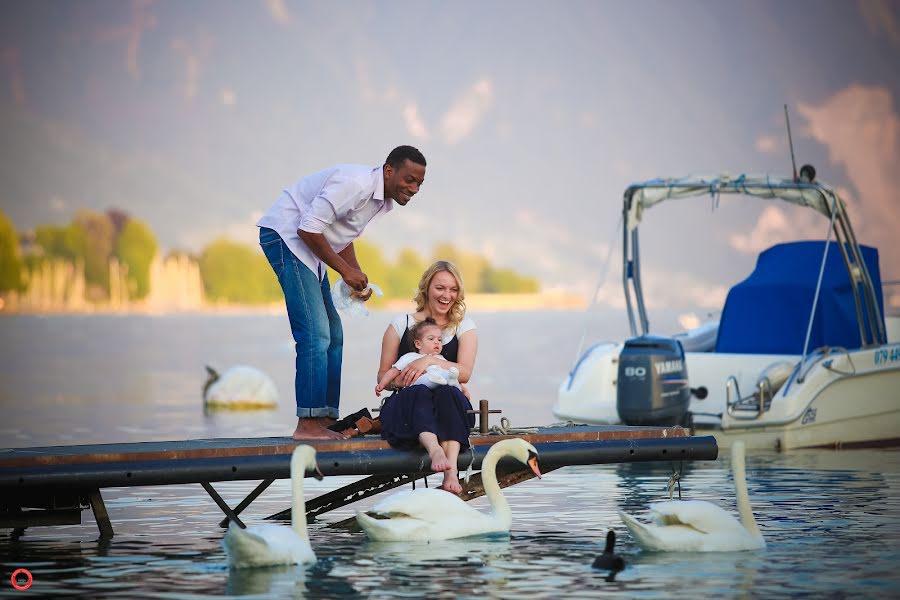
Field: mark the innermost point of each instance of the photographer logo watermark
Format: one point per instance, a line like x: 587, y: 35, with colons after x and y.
x: 21, y: 579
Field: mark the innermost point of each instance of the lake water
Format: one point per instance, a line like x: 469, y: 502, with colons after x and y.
x: 831, y: 519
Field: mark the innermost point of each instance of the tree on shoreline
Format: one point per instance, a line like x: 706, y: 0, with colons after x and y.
x: 135, y: 248
x: 10, y: 260
x: 235, y: 272
x: 231, y: 272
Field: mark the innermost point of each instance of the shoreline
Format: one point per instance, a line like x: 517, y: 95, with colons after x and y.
x: 474, y: 302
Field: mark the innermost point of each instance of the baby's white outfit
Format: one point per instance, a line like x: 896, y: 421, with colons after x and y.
x: 434, y: 375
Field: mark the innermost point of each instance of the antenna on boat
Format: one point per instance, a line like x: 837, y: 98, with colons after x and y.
x: 790, y: 142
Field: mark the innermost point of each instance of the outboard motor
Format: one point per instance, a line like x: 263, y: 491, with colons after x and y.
x: 653, y: 384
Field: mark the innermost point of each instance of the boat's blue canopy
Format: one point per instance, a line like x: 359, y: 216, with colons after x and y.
x: 768, y: 313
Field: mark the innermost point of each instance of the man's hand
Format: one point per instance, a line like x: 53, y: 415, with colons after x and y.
x: 356, y: 280
x: 363, y: 295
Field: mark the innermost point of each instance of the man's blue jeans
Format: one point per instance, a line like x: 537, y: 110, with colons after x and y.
x: 316, y: 327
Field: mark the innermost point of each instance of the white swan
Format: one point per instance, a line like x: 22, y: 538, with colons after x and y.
x: 431, y: 514
x: 700, y: 526
x: 271, y: 544
x: 240, y: 387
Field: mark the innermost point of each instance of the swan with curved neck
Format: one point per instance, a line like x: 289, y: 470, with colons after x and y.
x: 271, y: 544
x: 430, y: 514
x: 700, y: 526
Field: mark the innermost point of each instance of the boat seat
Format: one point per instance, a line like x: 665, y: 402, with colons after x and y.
x: 772, y: 378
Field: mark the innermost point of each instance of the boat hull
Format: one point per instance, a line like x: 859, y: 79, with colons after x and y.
x: 836, y: 399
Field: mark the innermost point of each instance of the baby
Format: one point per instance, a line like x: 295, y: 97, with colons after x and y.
x: 427, y: 340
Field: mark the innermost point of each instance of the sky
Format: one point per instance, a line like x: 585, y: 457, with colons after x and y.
x: 534, y: 117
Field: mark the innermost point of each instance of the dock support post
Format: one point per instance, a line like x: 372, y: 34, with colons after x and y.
x: 100, y: 514
x: 246, y: 501
x: 483, y: 412
x: 358, y: 490
x: 222, y: 504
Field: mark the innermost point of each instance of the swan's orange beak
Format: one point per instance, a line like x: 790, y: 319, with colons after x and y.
x: 533, y: 463
x: 317, y: 473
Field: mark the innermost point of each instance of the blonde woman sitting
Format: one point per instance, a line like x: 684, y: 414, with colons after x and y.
x: 435, y: 418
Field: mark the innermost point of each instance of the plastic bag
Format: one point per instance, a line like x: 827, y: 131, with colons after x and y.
x: 349, y: 305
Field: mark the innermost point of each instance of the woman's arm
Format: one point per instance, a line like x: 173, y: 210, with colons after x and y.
x: 465, y: 356
x: 390, y: 345
x: 465, y: 360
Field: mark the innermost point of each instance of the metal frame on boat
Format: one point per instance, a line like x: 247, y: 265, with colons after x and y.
x: 824, y: 396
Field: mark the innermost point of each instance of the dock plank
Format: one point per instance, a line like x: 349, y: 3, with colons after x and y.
x: 267, y: 446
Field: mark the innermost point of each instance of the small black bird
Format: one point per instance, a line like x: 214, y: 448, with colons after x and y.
x: 609, y: 560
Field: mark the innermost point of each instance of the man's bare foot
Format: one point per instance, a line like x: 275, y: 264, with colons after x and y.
x: 439, y: 460
x: 314, y: 428
x: 451, y: 482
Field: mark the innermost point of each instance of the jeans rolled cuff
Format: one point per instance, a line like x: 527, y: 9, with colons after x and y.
x: 312, y: 413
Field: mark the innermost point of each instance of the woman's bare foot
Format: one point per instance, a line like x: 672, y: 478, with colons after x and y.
x: 314, y: 428
x: 439, y: 460
x: 451, y: 482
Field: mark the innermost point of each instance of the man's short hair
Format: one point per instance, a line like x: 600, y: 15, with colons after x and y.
x: 401, y: 153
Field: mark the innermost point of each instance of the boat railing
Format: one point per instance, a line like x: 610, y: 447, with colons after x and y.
x: 821, y: 354
x: 752, y: 406
x: 814, y: 195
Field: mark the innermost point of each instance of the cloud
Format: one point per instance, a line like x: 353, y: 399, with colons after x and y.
x: 564, y: 261
x: 464, y: 115
x: 777, y: 224
x: 228, y: 97
x: 244, y: 231
x: 457, y: 123
x: 881, y: 17
x: 415, y: 126
x: 279, y: 12
x: 567, y: 262
x: 390, y: 97
x: 10, y: 58
x: 861, y: 130
x: 132, y: 33
x: 363, y: 81
x: 409, y: 220
x: 767, y: 144
x: 662, y: 289
x: 588, y: 120
x: 194, y: 53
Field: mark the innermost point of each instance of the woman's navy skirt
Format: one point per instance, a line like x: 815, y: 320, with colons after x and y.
x: 417, y: 408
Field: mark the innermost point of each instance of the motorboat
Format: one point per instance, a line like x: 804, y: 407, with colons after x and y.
x: 799, y: 357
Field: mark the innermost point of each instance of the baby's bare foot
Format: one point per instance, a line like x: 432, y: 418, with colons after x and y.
x: 451, y: 482
x: 439, y: 460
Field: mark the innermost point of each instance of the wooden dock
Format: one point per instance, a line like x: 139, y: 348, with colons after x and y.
x: 52, y: 485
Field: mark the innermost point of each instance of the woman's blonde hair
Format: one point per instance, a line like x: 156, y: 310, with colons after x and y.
x: 458, y: 310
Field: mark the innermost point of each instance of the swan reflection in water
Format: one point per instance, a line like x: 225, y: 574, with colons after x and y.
x: 481, y: 549
x: 287, y: 581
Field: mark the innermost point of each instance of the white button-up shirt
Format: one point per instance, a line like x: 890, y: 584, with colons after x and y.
x: 338, y: 203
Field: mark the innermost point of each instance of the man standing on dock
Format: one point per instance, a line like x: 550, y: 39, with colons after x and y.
x: 313, y: 223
